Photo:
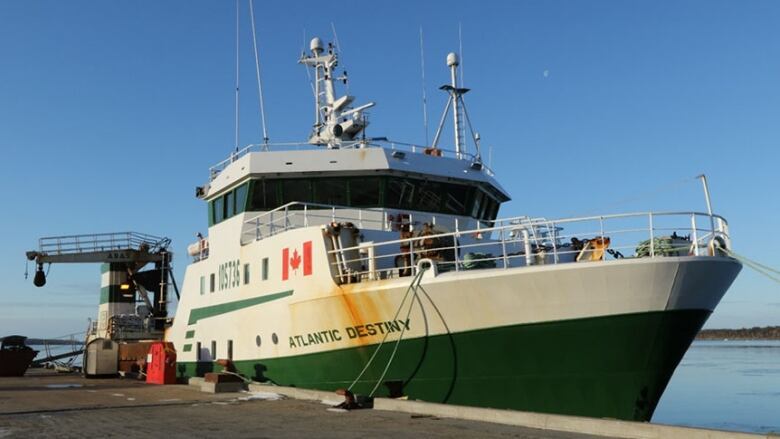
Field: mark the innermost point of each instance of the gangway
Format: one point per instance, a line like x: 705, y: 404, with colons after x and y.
x: 41, y: 361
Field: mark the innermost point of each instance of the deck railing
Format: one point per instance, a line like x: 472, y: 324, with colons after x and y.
x: 300, y: 214
x: 525, y: 242
x: 97, y: 242
x: 357, y: 144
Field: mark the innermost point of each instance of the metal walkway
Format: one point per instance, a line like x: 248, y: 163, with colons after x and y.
x: 100, y: 247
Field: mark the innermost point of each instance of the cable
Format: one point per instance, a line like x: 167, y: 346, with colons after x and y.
x: 424, y: 96
x: 340, y: 52
x: 416, y: 279
x: 460, y: 49
x: 257, y: 73
x: 237, y: 69
x: 397, y: 342
x: 765, y: 267
x: 760, y: 268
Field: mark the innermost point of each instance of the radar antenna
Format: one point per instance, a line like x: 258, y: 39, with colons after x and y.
x: 459, y: 112
x: 335, y: 122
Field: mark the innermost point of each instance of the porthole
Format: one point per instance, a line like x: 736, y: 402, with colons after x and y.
x: 274, y: 338
x: 257, y: 341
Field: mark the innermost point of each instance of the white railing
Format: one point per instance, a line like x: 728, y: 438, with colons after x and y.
x: 523, y: 242
x: 368, y: 143
x: 95, y: 242
x: 299, y: 214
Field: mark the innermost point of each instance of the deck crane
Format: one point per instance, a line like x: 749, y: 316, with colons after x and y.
x: 124, y: 281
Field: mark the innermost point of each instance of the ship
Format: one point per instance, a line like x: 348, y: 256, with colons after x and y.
x: 15, y: 356
x: 382, y: 267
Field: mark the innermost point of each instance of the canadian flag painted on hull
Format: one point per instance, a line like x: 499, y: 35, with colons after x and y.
x: 292, y: 261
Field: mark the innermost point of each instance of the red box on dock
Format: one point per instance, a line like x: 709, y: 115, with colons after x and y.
x: 161, y: 364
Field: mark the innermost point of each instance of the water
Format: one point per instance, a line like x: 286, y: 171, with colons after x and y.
x: 725, y: 385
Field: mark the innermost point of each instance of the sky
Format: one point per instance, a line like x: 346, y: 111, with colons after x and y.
x: 112, y: 112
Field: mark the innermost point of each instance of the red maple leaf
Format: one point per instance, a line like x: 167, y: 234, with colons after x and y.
x: 295, y: 260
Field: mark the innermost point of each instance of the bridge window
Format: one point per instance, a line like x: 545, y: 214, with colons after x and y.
x: 232, y: 203
x: 399, y: 193
x: 429, y: 196
x: 229, y: 205
x: 240, y: 193
x: 331, y: 191
x: 365, y: 192
x: 264, y: 195
x: 218, y: 207
x: 453, y: 198
x: 296, y: 190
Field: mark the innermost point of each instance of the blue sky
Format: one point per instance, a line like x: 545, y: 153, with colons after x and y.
x: 112, y: 112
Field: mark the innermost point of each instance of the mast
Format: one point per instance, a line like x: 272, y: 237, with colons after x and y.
x: 452, y: 63
x: 334, y: 120
x: 459, y: 113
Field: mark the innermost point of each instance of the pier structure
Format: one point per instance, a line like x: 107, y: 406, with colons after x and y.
x: 45, y: 404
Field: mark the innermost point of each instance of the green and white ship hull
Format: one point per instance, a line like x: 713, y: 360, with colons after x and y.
x: 594, y: 339
x: 314, y: 275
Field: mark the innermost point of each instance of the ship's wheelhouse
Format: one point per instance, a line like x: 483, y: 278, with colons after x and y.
x: 421, y: 193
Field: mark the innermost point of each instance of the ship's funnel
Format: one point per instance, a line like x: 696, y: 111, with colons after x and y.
x: 40, y: 277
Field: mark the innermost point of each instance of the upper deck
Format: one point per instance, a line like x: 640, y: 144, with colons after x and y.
x: 357, y: 158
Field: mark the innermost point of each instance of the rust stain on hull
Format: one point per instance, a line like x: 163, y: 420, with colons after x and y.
x: 361, y: 308
x: 341, y: 306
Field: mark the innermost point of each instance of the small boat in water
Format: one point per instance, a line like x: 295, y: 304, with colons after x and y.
x: 15, y: 356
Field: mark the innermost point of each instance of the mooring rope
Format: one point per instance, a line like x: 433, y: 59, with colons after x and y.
x: 757, y: 266
x: 400, y: 336
x: 416, y: 280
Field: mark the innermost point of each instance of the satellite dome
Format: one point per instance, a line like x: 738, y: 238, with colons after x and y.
x: 316, y: 44
x: 452, y: 59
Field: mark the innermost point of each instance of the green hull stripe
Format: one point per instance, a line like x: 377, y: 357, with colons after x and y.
x: 224, y: 308
x: 190, y: 334
x: 114, y: 294
x: 613, y: 366
x: 187, y: 348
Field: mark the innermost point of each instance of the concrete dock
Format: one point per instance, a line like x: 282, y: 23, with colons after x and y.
x: 46, y: 404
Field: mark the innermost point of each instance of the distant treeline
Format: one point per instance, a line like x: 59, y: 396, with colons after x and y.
x: 42, y: 341
x: 754, y: 333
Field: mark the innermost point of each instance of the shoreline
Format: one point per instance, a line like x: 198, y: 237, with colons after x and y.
x: 755, y: 333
